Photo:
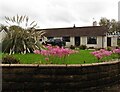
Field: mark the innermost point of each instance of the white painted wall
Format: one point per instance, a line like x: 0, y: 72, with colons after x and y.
x: 105, y: 41
x: 114, y: 41
x: 83, y: 40
x: 72, y: 42
x: 101, y: 41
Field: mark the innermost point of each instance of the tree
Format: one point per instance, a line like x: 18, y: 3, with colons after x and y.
x: 112, y: 24
x: 105, y: 22
x: 21, y: 39
x: 118, y: 26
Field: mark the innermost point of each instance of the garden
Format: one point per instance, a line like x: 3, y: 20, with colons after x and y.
x: 21, y: 45
x: 26, y: 62
x: 56, y: 55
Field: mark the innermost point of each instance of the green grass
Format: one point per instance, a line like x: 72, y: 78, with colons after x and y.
x: 0, y: 55
x: 78, y: 58
x: 81, y: 57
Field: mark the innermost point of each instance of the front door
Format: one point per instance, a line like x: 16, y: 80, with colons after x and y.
x: 77, y: 41
x: 108, y: 41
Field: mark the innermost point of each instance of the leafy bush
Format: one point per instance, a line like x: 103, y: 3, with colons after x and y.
x: 109, y: 48
x: 98, y: 48
x: 72, y: 47
x: 83, y: 47
x: 9, y: 59
x: 91, y: 48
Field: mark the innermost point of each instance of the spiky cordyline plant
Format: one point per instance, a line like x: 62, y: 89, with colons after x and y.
x: 21, y: 39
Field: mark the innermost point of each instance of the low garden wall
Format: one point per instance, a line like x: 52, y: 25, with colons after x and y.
x: 32, y: 77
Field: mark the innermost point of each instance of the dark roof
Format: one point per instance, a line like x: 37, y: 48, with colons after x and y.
x: 76, y: 31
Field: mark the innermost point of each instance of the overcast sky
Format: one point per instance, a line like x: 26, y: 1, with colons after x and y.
x: 60, y: 13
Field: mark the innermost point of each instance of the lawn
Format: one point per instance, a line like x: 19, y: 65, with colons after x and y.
x: 0, y: 55
x: 83, y: 56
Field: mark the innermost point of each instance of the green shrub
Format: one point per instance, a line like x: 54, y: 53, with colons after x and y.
x: 9, y: 59
x: 83, y: 47
x: 98, y: 48
x: 117, y: 47
x: 109, y: 48
x: 91, y: 48
x: 72, y: 47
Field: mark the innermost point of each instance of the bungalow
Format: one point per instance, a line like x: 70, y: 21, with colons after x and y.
x: 91, y: 36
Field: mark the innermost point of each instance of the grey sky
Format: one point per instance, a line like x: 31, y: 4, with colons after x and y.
x: 60, y: 13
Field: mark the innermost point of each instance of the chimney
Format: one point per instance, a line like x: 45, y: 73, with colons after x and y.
x: 74, y: 26
x: 94, y: 23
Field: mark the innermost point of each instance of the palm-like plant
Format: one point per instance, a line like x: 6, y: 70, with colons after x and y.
x: 21, y: 39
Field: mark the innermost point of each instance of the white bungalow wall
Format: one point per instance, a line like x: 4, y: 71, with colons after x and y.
x: 114, y: 41
x: 83, y: 40
x: 101, y: 41
x: 72, y: 42
x: 105, y: 42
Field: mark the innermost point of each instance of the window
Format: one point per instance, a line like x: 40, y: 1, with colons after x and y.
x: 66, y: 39
x: 50, y: 38
x: 92, y: 40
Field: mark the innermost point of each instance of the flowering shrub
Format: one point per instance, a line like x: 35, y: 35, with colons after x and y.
x: 117, y: 51
x: 101, y: 53
x: 54, y: 52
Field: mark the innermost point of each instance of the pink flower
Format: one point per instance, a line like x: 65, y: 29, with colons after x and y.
x: 98, y: 56
x: 36, y: 51
x: 102, y: 50
x: 101, y: 53
x: 116, y: 51
x: 107, y: 53
x: 44, y: 53
x: 56, y: 51
x: 47, y: 59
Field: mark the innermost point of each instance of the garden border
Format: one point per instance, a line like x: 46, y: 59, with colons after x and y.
x: 54, y: 77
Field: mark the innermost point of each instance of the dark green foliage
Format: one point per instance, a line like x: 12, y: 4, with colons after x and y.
x: 72, y: 47
x: 118, y: 42
x: 9, y: 59
x: 98, y: 48
x: 83, y: 47
x: 91, y: 48
x: 109, y: 48
x: 111, y: 24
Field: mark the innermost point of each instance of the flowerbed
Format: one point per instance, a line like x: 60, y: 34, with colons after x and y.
x: 55, y: 53
x: 103, y: 53
x: 75, y: 57
x: 52, y: 53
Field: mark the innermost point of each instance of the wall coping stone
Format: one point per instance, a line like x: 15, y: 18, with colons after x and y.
x: 58, y: 65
